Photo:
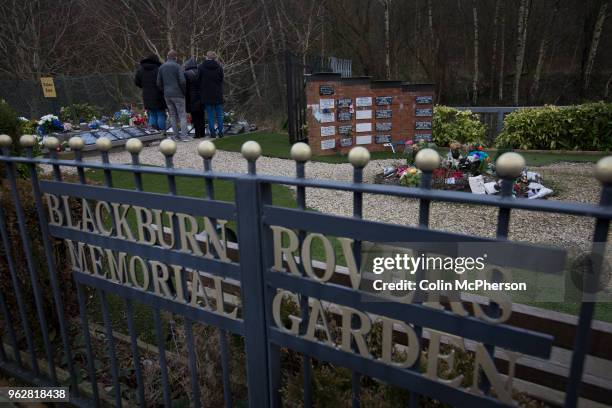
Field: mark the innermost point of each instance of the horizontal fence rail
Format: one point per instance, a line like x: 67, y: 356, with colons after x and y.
x: 170, y: 253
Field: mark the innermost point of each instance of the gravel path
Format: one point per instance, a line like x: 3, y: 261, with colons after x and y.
x: 573, y: 182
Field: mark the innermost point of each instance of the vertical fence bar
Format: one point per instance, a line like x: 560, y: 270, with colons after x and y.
x: 301, y: 153
x: 76, y: 144
x: 8, y: 319
x: 168, y: 148
x: 253, y: 285
x: 52, y: 144
x: 134, y: 146
x: 603, y: 172
x: 207, y: 150
x: 104, y: 145
x: 27, y: 248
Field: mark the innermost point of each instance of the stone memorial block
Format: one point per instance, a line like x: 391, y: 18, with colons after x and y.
x: 383, y: 127
x: 424, y: 112
x: 363, y: 127
x: 361, y: 140
x: 134, y: 131
x: 326, y: 90
x: 345, y: 129
x: 345, y: 102
x: 346, y: 141
x: 424, y: 100
x: 326, y: 104
x: 363, y: 114
x: 328, y: 131
x: 384, y: 100
x: 384, y: 114
x: 120, y: 133
x: 345, y: 116
x: 88, y: 138
x: 363, y: 101
x: 104, y: 133
x: 328, y: 144
x: 423, y: 125
x: 382, y: 139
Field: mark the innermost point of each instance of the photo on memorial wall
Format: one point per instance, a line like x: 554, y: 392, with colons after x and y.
x: 384, y: 114
x: 384, y: 100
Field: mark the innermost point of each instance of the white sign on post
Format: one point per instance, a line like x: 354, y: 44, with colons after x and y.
x: 363, y: 114
x: 363, y: 127
x: 328, y: 131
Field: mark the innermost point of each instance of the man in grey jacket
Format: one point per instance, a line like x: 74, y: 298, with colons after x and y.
x: 171, y: 80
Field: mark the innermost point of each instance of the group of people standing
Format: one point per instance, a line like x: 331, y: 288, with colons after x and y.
x: 191, y: 88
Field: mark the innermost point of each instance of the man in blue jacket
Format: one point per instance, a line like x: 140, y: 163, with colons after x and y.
x: 171, y: 80
x: 211, y: 92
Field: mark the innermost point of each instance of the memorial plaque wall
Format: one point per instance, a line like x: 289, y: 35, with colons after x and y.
x: 383, y: 100
x: 363, y: 101
x: 361, y: 140
x: 424, y: 112
x: 328, y: 144
x: 345, y: 116
x: 383, y: 139
x: 326, y: 90
x: 424, y: 100
x: 363, y: 114
x: 328, y: 131
x: 383, y: 127
x: 345, y: 103
x: 423, y: 125
x: 345, y: 129
x: 384, y: 114
x: 346, y: 141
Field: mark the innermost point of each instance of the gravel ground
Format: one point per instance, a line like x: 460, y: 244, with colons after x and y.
x: 572, y: 182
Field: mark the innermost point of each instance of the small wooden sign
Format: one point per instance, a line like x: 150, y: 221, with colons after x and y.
x: 48, y: 87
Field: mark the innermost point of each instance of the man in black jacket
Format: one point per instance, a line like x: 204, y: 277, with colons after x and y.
x: 211, y: 92
x: 152, y: 97
x: 193, y: 102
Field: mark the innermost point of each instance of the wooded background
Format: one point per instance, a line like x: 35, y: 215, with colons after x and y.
x: 478, y: 52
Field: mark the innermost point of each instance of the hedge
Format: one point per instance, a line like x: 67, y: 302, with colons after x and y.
x: 452, y: 125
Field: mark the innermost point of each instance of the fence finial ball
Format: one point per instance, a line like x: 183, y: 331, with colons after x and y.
x: 76, y: 143
x: 603, y: 170
x: 510, y: 165
x: 207, y: 149
x: 5, y: 141
x: 104, y: 144
x: 167, y: 147
x: 51, y: 142
x: 427, y: 160
x: 359, y: 157
x: 27, y: 140
x: 300, y: 152
x: 251, y: 150
x: 133, y: 145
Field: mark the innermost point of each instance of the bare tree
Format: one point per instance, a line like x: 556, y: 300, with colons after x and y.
x: 521, y: 38
x: 601, y: 18
x: 476, y: 52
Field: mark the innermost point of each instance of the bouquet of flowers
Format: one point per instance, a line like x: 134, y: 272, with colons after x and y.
x: 48, y: 124
x: 138, y: 119
x: 94, y: 124
x: 122, y: 117
x: 68, y: 127
x: 410, y: 177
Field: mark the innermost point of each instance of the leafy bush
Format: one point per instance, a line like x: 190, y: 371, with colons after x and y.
x: 79, y: 112
x: 579, y: 127
x: 450, y: 124
x: 13, y: 126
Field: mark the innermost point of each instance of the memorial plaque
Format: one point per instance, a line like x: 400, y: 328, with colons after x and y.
x: 424, y: 136
x: 345, y: 116
x: 345, y: 102
x: 380, y: 139
x: 424, y: 100
x: 326, y: 104
x: 384, y: 114
x: 120, y: 134
x: 423, y: 125
x: 384, y: 100
x: 424, y: 112
x: 345, y: 129
x: 134, y: 131
x: 360, y: 140
x: 363, y: 127
x: 104, y: 133
x: 88, y: 138
x: 327, y: 117
x: 328, y: 144
x: 346, y: 141
x: 383, y: 127
x: 363, y: 114
x: 363, y: 101
x: 328, y: 131
x: 326, y: 90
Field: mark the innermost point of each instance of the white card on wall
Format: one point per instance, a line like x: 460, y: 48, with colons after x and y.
x: 363, y: 140
x: 328, y: 144
x: 363, y: 127
x: 363, y: 101
x: 327, y: 117
x: 363, y: 114
x: 326, y: 104
x: 328, y: 131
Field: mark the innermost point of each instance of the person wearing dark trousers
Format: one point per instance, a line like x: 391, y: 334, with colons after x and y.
x: 210, y: 75
x: 193, y: 102
x: 152, y: 96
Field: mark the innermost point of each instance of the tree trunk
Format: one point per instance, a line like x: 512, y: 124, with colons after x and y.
x: 535, y: 87
x: 387, y: 41
x: 521, y: 37
x: 250, y: 56
x: 494, y: 54
x: 601, y: 18
x: 476, y: 51
x: 502, y: 54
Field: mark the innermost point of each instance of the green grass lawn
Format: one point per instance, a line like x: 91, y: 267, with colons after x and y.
x: 277, y: 145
